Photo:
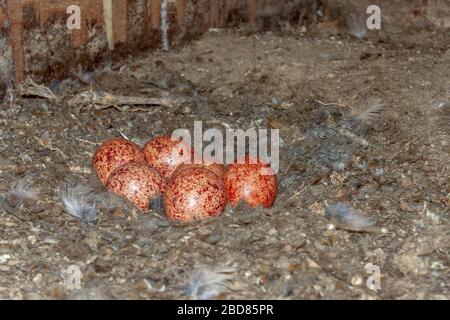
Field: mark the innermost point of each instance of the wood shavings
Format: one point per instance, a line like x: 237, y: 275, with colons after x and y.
x: 29, y: 88
x: 103, y: 100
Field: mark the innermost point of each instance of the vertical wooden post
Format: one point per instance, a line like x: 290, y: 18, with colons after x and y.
x: 2, y: 17
x: 181, y: 7
x: 96, y: 12
x: 251, y: 5
x: 43, y: 7
x: 120, y: 20
x: 108, y: 18
x: 15, y: 17
x: 224, y: 11
x: 155, y: 12
x: 214, y: 13
x: 80, y: 36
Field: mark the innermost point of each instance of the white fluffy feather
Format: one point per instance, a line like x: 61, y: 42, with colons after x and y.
x: 356, y: 25
x: 22, y: 190
x: 347, y: 218
x: 368, y: 111
x: 75, y: 203
x: 205, y: 284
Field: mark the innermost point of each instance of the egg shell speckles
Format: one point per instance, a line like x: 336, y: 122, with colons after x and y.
x: 165, y: 154
x: 193, y: 194
x: 138, y: 182
x: 218, y: 169
x: 114, y: 153
x: 249, y: 182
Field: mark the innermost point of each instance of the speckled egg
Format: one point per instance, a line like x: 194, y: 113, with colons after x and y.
x: 217, y: 168
x: 138, y: 182
x: 165, y: 154
x: 252, y: 181
x: 114, y: 153
x: 194, y: 193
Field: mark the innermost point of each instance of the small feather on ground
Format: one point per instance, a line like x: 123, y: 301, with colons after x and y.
x: 347, y: 218
x: 21, y: 190
x: 368, y: 111
x: 76, y: 205
x: 205, y: 284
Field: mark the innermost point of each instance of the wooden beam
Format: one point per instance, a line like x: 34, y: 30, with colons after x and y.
x: 252, y: 6
x: 181, y: 8
x: 108, y: 19
x: 2, y: 17
x: 80, y: 36
x: 43, y: 8
x: 15, y: 17
x: 214, y: 9
x: 224, y: 12
x: 120, y: 20
x: 155, y: 12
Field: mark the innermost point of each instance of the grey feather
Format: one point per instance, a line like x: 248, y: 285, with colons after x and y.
x: 22, y: 189
x: 368, y: 111
x: 347, y: 218
x: 76, y: 205
x: 205, y: 284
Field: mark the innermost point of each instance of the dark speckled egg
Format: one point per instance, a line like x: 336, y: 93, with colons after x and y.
x: 138, y: 182
x: 114, y: 153
x: 194, y: 193
x: 252, y: 181
x: 165, y: 154
x: 218, y: 169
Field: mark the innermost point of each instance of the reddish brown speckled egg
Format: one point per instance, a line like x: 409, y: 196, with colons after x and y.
x: 194, y: 193
x: 165, y: 154
x: 138, y: 182
x: 253, y: 182
x: 114, y: 153
x: 217, y: 168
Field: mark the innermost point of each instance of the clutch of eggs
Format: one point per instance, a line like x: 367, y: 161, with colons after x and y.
x: 190, y: 191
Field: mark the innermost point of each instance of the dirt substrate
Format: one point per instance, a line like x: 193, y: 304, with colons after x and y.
x: 395, y: 171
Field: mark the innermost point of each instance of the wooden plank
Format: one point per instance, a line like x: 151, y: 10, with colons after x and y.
x: 120, y: 20
x: 15, y: 17
x: 252, y: 6
x: 2, y: 17
x: 108, y: 18
x: 155, y: 12
x: 94, y: 12
x: 80, y: 36
x: 181, y: 8
x: 224, y: 11
x: 43, y: 8
x: 214, y: 13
